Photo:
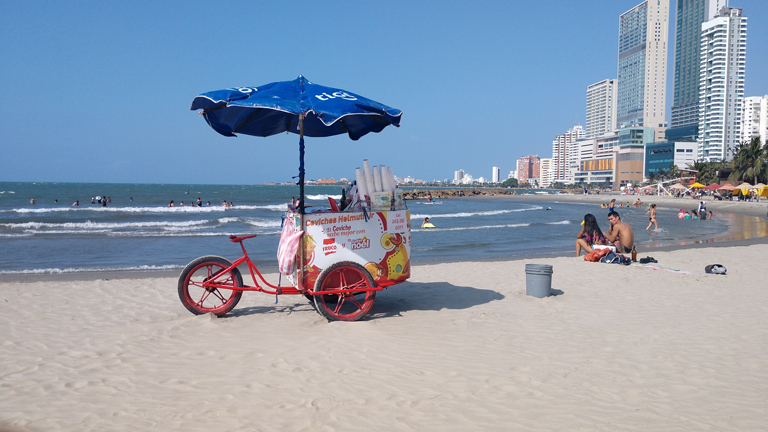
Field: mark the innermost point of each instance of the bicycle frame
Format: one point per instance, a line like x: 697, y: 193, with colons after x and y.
x: 269, y: 289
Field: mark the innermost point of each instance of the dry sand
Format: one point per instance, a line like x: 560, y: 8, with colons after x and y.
x: 458, y: 347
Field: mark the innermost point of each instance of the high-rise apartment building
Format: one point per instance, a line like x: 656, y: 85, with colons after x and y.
x: 691, y: 14
x: 495, y: 174
x: 642, y: 71
x: 563, y: 153
x: 754, y: 118
x: 528, y: 169
x: 545, y: 169
x: 458, y: 175
x: 721, y: 84
x: 601, y: 107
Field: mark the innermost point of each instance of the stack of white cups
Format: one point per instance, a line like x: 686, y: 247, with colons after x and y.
x: 374, y: 179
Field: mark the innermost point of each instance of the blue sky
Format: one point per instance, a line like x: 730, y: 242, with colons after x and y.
x: 100, y: 91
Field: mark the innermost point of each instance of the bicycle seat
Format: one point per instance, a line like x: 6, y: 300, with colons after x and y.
x: 236, y: 239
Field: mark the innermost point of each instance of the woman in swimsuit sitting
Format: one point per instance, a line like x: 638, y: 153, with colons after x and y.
x: 589, y: 235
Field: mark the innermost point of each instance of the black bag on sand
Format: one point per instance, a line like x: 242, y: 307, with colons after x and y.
x: 715, y: 269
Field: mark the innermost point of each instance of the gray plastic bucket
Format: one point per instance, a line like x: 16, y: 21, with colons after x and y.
x: 538, y: 280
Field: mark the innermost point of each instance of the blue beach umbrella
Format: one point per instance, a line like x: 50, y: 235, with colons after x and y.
x: 297, y: 106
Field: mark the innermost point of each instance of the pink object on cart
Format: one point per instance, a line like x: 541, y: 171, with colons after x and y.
x: 289, y: 244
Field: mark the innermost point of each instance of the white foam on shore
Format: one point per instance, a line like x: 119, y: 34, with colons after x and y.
x: 89, y: 270
x: 470, y: 214
x: 155, y: 209
x: 88, y: 225
x: 563, y: 222
x: 261, y: 223
x: 473, y: 228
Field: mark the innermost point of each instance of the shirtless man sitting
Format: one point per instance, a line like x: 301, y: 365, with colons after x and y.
x: 620, y: 233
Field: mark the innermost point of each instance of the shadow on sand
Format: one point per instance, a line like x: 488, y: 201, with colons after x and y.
x: 430, y: 296
x: 393, y: 301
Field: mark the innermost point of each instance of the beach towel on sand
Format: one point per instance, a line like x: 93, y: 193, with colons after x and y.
x: 289, y: 244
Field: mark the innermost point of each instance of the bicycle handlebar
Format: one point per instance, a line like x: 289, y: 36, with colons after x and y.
x: 236, y: 239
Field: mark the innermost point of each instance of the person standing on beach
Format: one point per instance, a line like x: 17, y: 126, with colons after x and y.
x: 652, y: 214
x: 611, y: 205
x: 620, y: 234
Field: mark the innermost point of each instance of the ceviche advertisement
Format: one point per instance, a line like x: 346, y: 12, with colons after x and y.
x: 381, y: 244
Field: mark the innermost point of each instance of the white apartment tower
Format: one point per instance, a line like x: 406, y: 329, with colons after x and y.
x: 563, y: 152
x: 458, y: 175
x: 545, y: 172
x: 642, y: 72
x: 601, y: 107
x: 721, y: 84
x: 754, y: 118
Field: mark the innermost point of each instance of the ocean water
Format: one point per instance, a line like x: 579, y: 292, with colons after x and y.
x: 138, y: 231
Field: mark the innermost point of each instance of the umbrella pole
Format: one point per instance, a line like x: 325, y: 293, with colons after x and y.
x: 301, y: 163
x: 300, y: 282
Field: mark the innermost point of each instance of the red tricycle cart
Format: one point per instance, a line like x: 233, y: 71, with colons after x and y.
x: 342, y: 259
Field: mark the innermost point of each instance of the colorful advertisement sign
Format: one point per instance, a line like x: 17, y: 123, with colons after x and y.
x: 597, y: 165
x: 381, y: 244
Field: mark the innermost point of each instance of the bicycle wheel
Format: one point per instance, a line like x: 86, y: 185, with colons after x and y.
x: 350, y: 305
x: 200, y: 300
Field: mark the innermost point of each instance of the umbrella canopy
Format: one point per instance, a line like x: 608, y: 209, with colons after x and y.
x: 758, y: 186
x: 697, y: 185
x: 713, y: 186
x: 676, y: 186
x: 728, y: 187
x: 297, y: 106
x: 744, y: 186
x: 276, y: 107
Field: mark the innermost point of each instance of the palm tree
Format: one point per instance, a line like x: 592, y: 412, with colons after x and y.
x: 663, y: 174
x: 674, y: 171
x: 750, y: 163
x: 704, y: 171
x: 652, y: 176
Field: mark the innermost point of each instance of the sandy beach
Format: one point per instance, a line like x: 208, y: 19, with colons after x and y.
x: 460, y: 346
x: 753, y: 208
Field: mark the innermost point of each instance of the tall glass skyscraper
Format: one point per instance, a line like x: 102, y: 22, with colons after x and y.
x: 642, y: 71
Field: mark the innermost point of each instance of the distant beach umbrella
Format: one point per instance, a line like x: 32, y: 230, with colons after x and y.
x: 297, y: 106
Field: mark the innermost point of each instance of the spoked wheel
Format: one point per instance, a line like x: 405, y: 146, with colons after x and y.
x: 349, y: 305
x: 199, y: 299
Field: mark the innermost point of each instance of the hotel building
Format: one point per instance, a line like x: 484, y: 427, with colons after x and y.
x: 601, y: 107
x: 691, y: 14
x: 528, y: 169
x: 564, y: 153
x: 721, y: 84
x: 642, y: 68
x: 754, y: 118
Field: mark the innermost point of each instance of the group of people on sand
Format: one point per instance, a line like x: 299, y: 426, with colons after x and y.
x: 620, y: 234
